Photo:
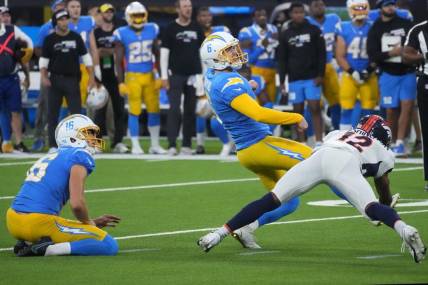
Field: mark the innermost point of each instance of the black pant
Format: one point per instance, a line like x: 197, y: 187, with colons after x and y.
x: 178, y: 85
x: 42, y: 112
x: 62, y: 86
x: 110, y: 83
x: 423, y: 114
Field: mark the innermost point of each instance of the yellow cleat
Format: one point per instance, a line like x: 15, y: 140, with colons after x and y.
x: 7, y: 147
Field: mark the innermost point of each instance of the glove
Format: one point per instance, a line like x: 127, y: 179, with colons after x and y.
x: 364, y: 74
x: 123, y: 89
x: 356, y: 75
x: 203, y: 108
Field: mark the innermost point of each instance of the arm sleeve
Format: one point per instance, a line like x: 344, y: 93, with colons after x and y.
x: 83, y: 158
x: 321, y: 49
x: 282, y: 57
x: 164, y: 60
x: 374, y: 43
x: 250, y: 108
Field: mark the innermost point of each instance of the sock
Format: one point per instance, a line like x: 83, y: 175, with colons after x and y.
x: 200, y: 124
x: 200, y: 138
x: 219, y: 130
x: 346, y: 119
x: 108, y: 246
x: 283, y: 210
x: 135, y: 141
x: 356, y: 114
x: 253, y: 211
x: 399, y: 227
x: 365, y: 112
x: 308, y: 117
x: 385, y: 214
x: 5, y: 126
x: 153, y: 119
x: 63, y: 113
x: 133, y: 125
x: 335, y: 116
x: 153, y: 124
x: 63, y: 248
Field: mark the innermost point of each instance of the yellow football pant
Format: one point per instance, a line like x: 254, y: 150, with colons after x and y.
x: 268, y: 75
x: 330, y: 85
x: 271, y: 157
x: 350, y: 89
x: 142, y: 87
x: 33, y: 226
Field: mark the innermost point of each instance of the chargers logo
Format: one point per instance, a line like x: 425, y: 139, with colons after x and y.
x: 287, y: 152
x: 214, y: 37
x: 232, y: 81
x: 73, y: 231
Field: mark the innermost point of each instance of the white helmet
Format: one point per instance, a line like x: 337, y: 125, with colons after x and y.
x: 136, y: 15
x: 214, y: 52
x: 358, y: 9
x: 78, y: 131
x: 97, y: 98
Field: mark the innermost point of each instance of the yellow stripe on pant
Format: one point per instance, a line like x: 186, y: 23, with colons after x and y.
x: 33, y: 226
x: 271, y: 157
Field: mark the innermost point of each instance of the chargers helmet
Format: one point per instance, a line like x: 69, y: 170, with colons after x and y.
x: 78, y: 131
x: 375, y: 126
x: 97, y: 98
x: 136, y: 15
x: 358, y: 9
x: 221, y: 50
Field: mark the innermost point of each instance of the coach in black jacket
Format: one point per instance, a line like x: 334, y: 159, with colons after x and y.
x: 302, y: 57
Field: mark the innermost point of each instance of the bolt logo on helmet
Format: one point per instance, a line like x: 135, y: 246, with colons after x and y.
x: 358, y: 9
x: 221, y: 50
x: 136, y: 15
x: 375, y: 127
x: 79, y: 131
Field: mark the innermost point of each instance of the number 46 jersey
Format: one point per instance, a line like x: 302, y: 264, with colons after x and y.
x: 138, y: 46
x: 375, y: 158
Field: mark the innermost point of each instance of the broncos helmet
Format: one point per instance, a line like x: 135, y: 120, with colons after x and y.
x: 374, y: 126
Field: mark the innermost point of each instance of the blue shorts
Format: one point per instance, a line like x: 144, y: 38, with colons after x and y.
x: 10, y: 93
x: 302, y: 90
x: 396, y: 88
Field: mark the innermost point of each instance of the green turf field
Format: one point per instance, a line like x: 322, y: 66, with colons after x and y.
x: 160, y: 226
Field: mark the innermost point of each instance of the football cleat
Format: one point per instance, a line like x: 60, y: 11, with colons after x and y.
x: 136, y: 149
x: 186, y: 151
x: 36, y: 249
x: 20, y: 245
x: 7, y: 147
x: 200, y: 149
x: 399, y: 150
x: 246, y: 237
x: 413, y: 242
x: 120, y: 148
x: 38, y: 145
x: 225, y: 151
x: 157, y: 150
x: 172, y: 151
x: 208, y: 241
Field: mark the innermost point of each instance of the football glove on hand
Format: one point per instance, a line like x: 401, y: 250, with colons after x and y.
x: 357, y: 75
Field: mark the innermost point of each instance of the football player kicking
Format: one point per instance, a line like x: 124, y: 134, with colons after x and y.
x: 364, y: 151
x: 53, y: 180
x: 234, y: 102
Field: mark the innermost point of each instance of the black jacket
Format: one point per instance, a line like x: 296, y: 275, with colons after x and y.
x: 301, y: 52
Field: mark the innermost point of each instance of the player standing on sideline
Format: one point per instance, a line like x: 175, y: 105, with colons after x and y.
x: 42, y: 100
x: 401, y: 12
x: 397, y: 81
x: 137, y: 43
x: 260, y: 41
x: 15, y: 48
x: 63, y: 48
x: 328, y: 25
x: 416, y: 52
x: 180, y: 68
x: 51, y: 182
x: 356, y: 153
x: 358, y: 77
x: 102, y: 37
x: 204, y: 19
x: 302, y: 57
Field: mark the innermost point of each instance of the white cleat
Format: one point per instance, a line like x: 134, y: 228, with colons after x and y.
x: 414, y: 244
x: 246, y: 237
x: 208, y: 241
x: 186, y: 151
x: 157, y: 150
x: 225, y: 151
x: 120, y: 148
x: 172, y: 151
x: 136, y: 149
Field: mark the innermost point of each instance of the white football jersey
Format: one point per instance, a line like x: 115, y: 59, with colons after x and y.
x: 376, y: 159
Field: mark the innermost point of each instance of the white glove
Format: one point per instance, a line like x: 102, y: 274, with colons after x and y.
x: 357, y: 76
x: 199, y: 85
x: 203, y: 108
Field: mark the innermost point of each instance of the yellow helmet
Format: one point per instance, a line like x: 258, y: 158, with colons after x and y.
x: 358, y: 9
x: 136, y: 15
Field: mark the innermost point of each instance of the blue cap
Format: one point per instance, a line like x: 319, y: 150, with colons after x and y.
x: 56, y: 3
x: 382, y: 3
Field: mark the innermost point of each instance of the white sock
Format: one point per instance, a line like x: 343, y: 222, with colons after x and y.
x: 135, y: 141
x: 398, y: 142
x: 154, y: 135
x: 399, y: 227
x: 63, y: 248
x: 223, y: 231
x: 254, y: 225
x: 200, y: 139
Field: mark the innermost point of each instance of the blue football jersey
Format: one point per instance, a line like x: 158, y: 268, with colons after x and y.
x: 45, y: 30
x: 138, y: 46
x: 261, y: 84
x: 84, y: 27
x: 356, y: 42
x: 45, y: 190
x: 328, y: 29
x: 258, y: 56
x: 405, y: 14
x: 222, y: 88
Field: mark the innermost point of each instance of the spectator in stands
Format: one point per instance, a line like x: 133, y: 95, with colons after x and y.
x: 302, y: 57
x: 180, y: 63
x: 63, y: 48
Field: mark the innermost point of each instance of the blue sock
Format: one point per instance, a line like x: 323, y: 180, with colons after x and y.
x: 383, y: 213
x: 153, y: 119
x: 335, y: 116
x: 365, y: 112
x: 356, y: 114
x: 346, y: 117
x: 200, y: 124
x: 219, y: 130
x: 253, y: 211
x: 133, y: 125
x: 63, y: 113
x: 90, y: 246
x: 283, y: 210
x: 5, y: 125
x: 308, y: 117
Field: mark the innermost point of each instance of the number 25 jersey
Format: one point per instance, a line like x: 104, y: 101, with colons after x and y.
x: 138, y: 46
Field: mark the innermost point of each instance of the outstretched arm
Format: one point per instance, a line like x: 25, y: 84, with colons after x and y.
x: 382, y: 188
